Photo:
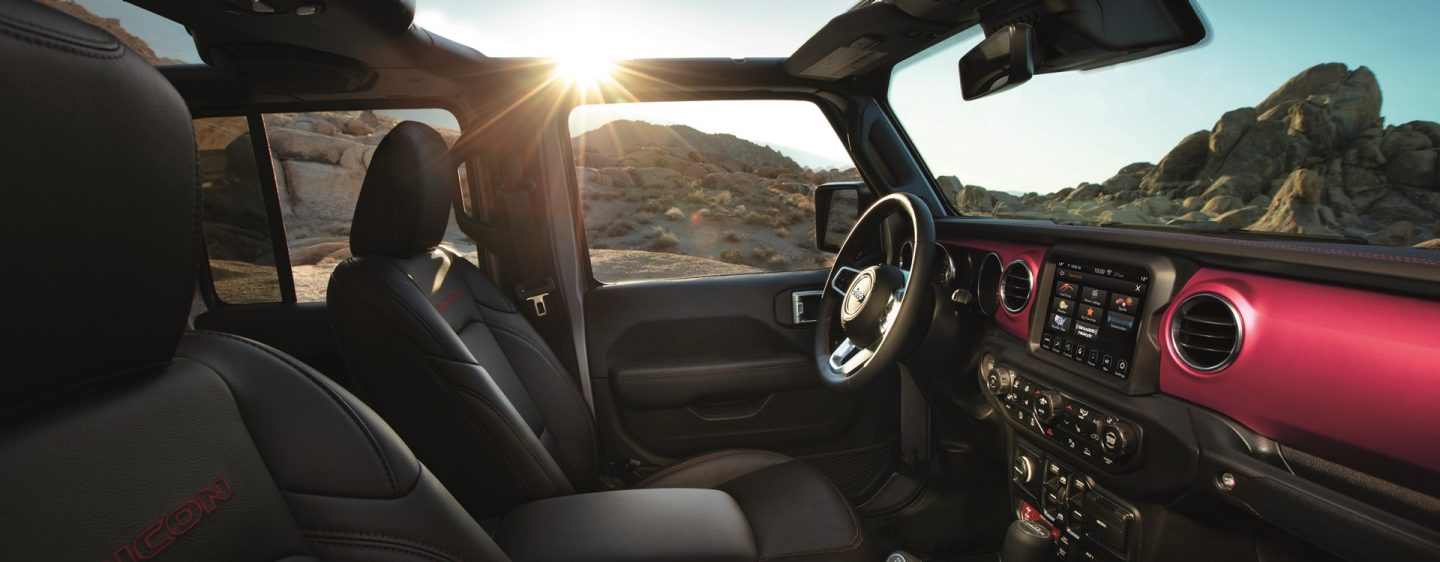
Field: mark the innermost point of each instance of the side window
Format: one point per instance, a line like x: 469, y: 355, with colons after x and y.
x: 320, y: 160
x: 237, y: 228
x: 695, y: 189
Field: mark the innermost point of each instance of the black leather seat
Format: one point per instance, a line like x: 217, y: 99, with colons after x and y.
x: 122, y: 437
x: 450, y: 362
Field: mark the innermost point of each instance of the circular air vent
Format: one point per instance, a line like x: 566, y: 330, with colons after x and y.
x: 1016, y: 285
x: 987, y: 284
x: 1206, y: 332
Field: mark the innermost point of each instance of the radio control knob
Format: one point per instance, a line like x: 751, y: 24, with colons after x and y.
x: 1048, y: 405
x: 1117, y: 439
x: 1000, y: 380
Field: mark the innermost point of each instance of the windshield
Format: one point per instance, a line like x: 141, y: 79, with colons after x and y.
x: 1308, y: 118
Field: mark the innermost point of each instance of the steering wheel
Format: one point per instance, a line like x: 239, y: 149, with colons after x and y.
x: 879, y: 305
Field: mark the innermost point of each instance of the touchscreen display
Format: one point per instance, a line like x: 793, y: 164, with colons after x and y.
x: 1094, y: 312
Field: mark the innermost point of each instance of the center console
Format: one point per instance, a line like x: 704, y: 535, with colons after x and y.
x: 1086, y: 524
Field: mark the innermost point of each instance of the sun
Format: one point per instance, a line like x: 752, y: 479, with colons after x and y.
x: 584, y: 71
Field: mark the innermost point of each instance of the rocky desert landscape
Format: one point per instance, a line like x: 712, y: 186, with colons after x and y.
x: 672, y: 201
x: 1314, y: 158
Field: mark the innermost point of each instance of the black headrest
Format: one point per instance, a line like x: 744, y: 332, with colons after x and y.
x: 100, y: 206
x: 405, y: 201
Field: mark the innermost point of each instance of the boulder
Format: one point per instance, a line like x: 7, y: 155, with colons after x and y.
x: 1241, y: 218
x: 1261, y: 153
x: 1296, y: 207
x: 1126, y: 216
x: 1221, y: 204
x: 296, y: 144
x: 1181, y: 165
x: 358, y: 128
x: 320, y: 193
x: 1228, y: 130
x: 1127, y: 179
x: 1403, y: 139
x: 1415, y: 168
x: 657, y: 178
x: 1155, y: 206
x: 1242, y: 187
x: 1430, y: 129
x: 1431, y: 244
x: 1193, y: 216
x: 1193, y: 203
x: 738, y: 182
x: 1352, y: 98
x: 1314, y: 123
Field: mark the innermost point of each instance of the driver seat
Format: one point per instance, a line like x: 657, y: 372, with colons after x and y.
x: 454, y: 367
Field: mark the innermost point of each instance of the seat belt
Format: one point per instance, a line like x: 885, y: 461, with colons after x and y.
x: 535, y: 283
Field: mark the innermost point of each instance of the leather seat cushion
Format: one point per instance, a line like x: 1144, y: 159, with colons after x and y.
x: 793, y: 509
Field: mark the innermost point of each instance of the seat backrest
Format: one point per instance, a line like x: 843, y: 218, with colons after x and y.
x: 441, y: 353
x: 121, y: 437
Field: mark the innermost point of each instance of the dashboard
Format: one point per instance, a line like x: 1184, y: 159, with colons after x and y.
x: 1146, y: 374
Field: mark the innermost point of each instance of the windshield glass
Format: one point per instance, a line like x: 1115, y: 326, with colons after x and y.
x: 1312, y: 118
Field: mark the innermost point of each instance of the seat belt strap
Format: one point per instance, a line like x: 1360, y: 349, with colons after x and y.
x: 520, y: 216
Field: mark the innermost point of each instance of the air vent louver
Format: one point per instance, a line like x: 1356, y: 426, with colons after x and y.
x: 1016, y: 285
x: 1205, y: 333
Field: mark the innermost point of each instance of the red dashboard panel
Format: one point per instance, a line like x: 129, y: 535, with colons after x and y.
x: 1016, y: 323
x: 1341, y: 373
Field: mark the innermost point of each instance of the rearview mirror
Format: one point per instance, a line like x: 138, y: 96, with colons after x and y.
x: 837, y: 207
x: 1004, y: 60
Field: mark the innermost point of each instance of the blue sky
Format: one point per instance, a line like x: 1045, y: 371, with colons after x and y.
x: 1061, y: 129
x: 1053, y: 132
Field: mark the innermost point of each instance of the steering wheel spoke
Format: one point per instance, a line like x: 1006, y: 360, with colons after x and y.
x: 848, y: 357
x: 843, y: 276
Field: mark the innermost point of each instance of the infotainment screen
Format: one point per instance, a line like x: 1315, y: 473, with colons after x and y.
x: 1094, y: 313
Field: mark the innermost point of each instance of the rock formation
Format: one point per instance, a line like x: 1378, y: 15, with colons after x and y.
x: 1314, y: 157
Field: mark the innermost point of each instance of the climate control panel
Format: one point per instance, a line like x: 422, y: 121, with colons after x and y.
x: 1101, y: 438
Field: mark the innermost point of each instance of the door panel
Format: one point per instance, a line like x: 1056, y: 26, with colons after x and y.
x: 684, y: 366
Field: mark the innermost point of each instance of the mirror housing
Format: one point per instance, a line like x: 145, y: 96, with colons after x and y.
x: 1003, y: 60
x: 843, y: 192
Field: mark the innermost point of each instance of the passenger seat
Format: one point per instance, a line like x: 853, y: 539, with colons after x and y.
x: 450, y: 362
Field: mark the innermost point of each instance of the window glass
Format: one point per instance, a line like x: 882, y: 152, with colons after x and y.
x: 320, y: 161
x: 1324, y: 127
x: 237, y: 230
x: 692, y: 189
x: 154, y: 38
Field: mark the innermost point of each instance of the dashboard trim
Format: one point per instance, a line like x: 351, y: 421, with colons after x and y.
x: 1359, y: 396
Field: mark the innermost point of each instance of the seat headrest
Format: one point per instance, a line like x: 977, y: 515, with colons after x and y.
x: 101, y: 206
x: 405, y: 201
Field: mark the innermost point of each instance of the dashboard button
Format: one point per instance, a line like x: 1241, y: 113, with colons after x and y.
x: 1122, y: 322
x: 1061, y: 323
x: 1066, y: 289
x: 1122, y: 367
x: 1068, y: 348
x: 1092, y: 358
x: 1122, y: 303
x: 1092, y: 295
x: 1107, y: 362
x: 1087, y: 330
x: 1091, y: 312
x: 1063, y: 306
x: 1046, y: 340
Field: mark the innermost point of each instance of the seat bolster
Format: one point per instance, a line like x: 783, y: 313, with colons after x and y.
x: 316, y: 437
x: 379, y: 286
x: 426, y: 523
